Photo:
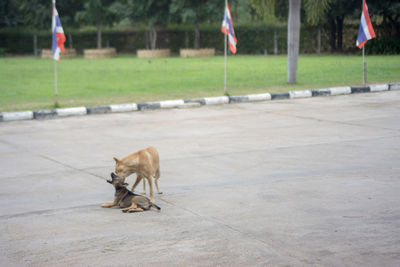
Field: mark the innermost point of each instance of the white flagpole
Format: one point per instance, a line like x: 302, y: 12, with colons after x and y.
x: 55, y: 83
x: 364, y: 67
x: 55, y: 68
x: 225, y: 49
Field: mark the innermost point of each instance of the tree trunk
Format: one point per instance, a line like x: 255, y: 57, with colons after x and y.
x: 186, y: 40
x: 196, y: 36
x: 147, y: 39
x: 293, y: 38
x: 70, y: 41
x: 339, y: 33
x: 394, y: 25
x: 319, y: 41
x: 333, y: 35
x: 153, y: 37
x: 99, y: 29
x: 235, y: 13
x: 35, y: 50
x: 275, y: 43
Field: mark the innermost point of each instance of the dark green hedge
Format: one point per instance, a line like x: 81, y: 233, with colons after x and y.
x: 251, y: 40
x: 384, y: 45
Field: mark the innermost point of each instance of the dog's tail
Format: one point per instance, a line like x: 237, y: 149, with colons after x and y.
x: 154, y: 205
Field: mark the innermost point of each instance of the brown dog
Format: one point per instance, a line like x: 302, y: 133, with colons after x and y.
x: 129, y: 201
x: 145, y: 163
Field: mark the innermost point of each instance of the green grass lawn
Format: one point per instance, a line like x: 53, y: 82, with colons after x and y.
x: 28, y: 83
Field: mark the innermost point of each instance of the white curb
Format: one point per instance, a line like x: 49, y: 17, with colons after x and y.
x: 124, y: 107
x: 216, y: 100
x: 300, y: 94
x: 179, y: 103
x: 379, y: 87
x: 16, y: 116
x: 71, y: 111
x: 172, y: 103
x: 260, y: 97
x: 340, y: 90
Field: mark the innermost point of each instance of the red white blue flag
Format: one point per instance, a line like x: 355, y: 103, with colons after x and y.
x: 58, y: 35
x: 227, y: 28
x: 365, y: 32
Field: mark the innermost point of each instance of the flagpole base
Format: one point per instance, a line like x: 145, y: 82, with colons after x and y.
x: 364, y: 73
x: 56, y: 104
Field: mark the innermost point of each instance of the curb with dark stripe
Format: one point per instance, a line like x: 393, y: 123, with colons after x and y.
x: 98, y: 110
x: 360, y: 89
x: 284, y: 95
x: 320, y: 92
x: 201, y: 101
x: 238, y: 98
x: 180, y: 103
x: 394, y: 86
x: 44, y: 114
x: 149, y: 106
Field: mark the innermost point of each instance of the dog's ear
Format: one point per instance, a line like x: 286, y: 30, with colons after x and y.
x: 116, y: 160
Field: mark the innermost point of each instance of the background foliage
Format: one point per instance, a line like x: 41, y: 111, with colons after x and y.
x: 185, y: 24
x: 254, y: 39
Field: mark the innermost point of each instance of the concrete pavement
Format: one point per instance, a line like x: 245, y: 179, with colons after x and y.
x: 310, y: 181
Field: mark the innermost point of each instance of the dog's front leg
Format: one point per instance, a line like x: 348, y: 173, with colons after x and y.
x: 150, y: 180
x: 108, y: 205
x: 138, y: 178
x: 144, y: 187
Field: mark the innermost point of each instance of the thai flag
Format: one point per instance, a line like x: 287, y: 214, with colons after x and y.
x: 227, y: 28
x: 58, y: 35
x: 365, y: 32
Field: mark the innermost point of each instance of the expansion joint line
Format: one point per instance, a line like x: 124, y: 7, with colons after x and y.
x: 231, y: 228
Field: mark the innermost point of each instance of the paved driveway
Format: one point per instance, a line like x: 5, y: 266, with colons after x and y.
x: 311, y: 181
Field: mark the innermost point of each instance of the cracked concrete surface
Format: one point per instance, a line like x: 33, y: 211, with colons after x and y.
x: 295, y: 182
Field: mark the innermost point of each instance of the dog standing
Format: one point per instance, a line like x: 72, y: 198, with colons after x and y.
x: 145, y: 163
x: 129, y: 201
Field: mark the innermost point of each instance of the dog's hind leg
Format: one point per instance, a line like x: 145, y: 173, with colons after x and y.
x: 132, y: 208
x: 156, y: 177
x: 136, y: 210
x: 156, y: 183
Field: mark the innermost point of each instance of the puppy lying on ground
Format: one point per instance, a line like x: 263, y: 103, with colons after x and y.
x: 145, y: 163
x: 129, y: 201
